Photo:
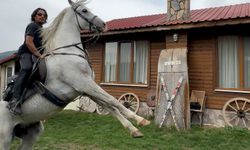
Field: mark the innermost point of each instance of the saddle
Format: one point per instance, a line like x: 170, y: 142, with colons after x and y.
x: 38, y: 74
x: 35, y: 85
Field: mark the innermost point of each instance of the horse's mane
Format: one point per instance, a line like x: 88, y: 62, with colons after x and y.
x: 49, y: 32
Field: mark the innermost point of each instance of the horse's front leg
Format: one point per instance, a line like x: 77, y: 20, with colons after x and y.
x: 88, y: 86
x: 116, y: 113
x: 85, y: 84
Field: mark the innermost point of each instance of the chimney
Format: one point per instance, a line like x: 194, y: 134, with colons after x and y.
x: 178, y: 9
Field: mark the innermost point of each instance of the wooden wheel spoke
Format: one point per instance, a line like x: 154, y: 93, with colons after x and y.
x: 236, y: 102
x: 129, y: 97
x: 125, y: 98
x: 133, y: 103
x: 133, y: 107
x: 244, y: 122
x: 232, y: 107
x: 247, y: 118
x: 247, y: 110
x: 247, y: 114
x: 237, y: 121
x: 244, y: 105
x: 233, y: 118
x: 231, y: 112
x: 132, y: 99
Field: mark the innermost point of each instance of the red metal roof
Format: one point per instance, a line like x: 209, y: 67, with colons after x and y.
x: 199, y: 15
x: 8, y: 58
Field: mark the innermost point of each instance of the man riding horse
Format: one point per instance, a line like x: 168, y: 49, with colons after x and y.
x: 32, y: 46
x: 69, y: 75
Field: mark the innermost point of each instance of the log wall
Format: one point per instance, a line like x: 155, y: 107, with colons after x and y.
x: 202, y: 49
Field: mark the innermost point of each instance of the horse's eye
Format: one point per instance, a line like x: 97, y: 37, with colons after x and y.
x: 84, y: 10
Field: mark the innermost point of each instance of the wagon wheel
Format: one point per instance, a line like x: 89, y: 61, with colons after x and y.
x: 86, y: 104
x: 101, y: 111
x: 236, y: 112
x: 130, y: 101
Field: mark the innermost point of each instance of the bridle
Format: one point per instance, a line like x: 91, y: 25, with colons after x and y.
x: 91, y: 24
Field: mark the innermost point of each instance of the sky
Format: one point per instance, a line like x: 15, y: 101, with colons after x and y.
x: 15, y: 14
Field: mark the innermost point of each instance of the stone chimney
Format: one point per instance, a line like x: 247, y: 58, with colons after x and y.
x: 178, y: 9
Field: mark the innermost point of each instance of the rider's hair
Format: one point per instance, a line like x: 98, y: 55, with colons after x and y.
x: 33, y: 15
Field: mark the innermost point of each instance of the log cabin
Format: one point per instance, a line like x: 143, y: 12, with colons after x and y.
x: 125, y: 57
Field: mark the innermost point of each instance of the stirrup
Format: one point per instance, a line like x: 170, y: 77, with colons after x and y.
x: 15, y: 107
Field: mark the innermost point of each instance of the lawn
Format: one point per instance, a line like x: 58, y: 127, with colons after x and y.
x: 71, y: 130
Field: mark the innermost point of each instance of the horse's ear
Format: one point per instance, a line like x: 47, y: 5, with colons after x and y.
x: 70, y: 2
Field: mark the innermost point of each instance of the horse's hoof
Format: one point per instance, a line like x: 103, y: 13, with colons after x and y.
x: 136, y: 134
x: 144, y: 122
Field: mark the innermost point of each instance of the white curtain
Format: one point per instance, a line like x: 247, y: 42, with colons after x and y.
x: 141, y: 49
x: 228, y: 62
x: 247, y: 62
x: 125, y: 61
x: 110, y: 61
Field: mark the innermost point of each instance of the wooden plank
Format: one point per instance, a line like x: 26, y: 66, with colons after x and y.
x: 172, y: 66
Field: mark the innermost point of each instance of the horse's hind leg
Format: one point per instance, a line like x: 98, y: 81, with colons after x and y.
x: 28, y: 134
x: 5, y: 138
x: 6, y: 127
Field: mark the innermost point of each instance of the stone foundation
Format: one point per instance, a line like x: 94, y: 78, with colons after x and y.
x: 212, y: 117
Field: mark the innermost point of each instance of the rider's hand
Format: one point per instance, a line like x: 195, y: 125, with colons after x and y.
x: 40, y: 56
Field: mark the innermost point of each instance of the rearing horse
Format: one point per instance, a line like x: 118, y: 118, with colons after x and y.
x: 68, y: 76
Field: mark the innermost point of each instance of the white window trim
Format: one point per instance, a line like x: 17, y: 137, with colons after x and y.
x: 232, y: 91
x: 128, y: 85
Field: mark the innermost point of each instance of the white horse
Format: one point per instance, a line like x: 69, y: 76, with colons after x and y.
x: 68, y: 76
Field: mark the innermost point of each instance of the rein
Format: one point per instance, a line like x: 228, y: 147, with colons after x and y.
x: 86, y: 57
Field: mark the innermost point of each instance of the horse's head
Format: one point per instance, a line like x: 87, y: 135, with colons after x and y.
x: 83, y: 14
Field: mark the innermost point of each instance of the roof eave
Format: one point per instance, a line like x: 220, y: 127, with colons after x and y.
x: 9, y: 58
x: 213, y: 23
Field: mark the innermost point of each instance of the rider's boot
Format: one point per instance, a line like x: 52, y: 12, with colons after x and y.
x: 15, y: 106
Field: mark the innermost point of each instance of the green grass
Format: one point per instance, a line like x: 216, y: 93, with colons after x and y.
x: 71, y: 130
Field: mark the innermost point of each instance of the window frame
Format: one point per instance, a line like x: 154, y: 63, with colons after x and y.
x: 6, y: 71
x: 130, y: 83
x: 240, y: 51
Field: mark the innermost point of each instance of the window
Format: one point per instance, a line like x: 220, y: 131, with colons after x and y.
x: 234, y: 62
x: 126, y: 62
x: 110, y: 62
x: 8, y: 73
x: 247, y: 62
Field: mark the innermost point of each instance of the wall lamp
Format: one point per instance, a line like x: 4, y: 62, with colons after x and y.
x: 175, y: 37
